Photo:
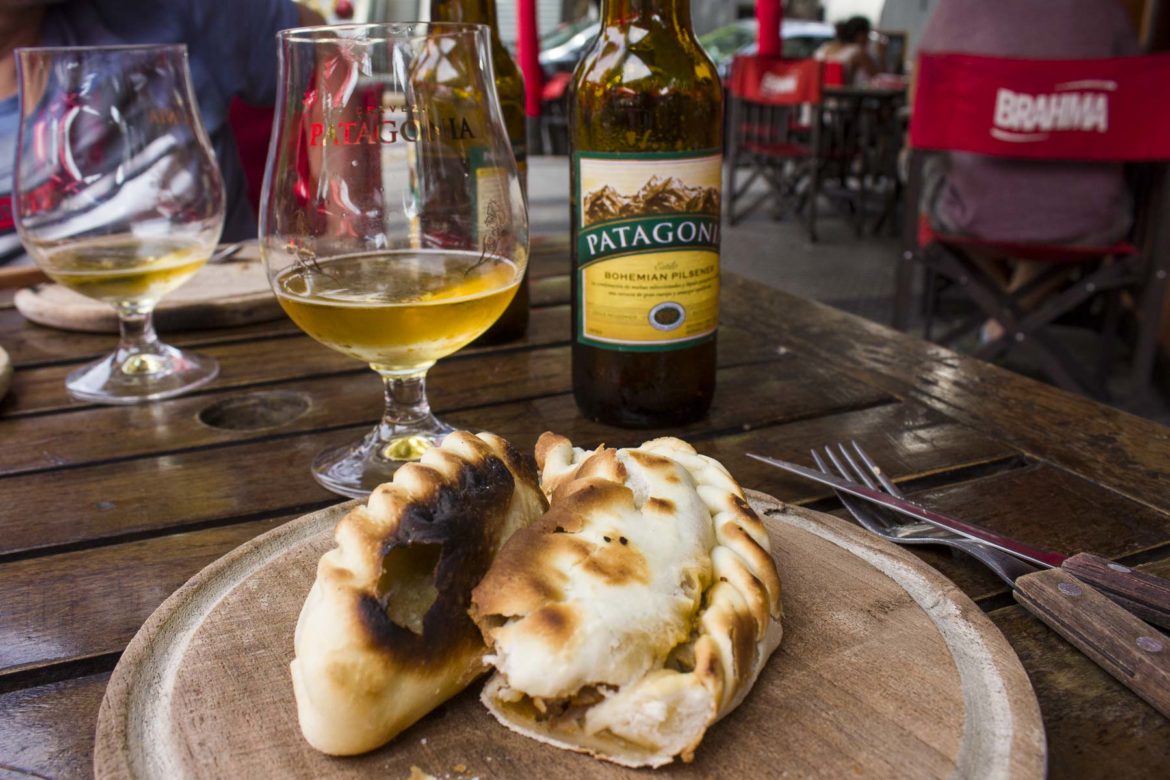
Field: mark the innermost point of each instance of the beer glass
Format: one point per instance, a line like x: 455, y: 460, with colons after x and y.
x: 117, y: 196
x: 392, y: 223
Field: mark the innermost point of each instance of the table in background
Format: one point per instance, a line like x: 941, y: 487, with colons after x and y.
x: 107, y: 510
x: 875, y: 128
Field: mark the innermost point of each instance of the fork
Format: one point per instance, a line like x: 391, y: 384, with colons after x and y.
x: 1006, y: 566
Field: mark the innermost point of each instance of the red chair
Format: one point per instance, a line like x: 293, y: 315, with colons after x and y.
x: 1114, y: 110
x: 766, y: 134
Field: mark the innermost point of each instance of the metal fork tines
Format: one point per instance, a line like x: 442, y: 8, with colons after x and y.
x: 889, y: 526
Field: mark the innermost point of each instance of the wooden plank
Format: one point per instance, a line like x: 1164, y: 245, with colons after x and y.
x: 163, y: 495
x: 81, y: 604
x: 1048, y: 507
x: 40, y: 390
x: 47, y: 731
x: 469, y: 381
x: 247, y: 363
x: 52, y: 594
x: 910, y: 442
x: 1125, y: 453
x: 112, y: 502
x: 33, y: 345
x: 1095, y: 727
x: 101, y: 433
x: 1037, y: 504
x: 549, y: 255
x: 140, y: 495
x: 549, y: 290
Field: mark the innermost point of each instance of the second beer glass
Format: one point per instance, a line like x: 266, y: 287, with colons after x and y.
x: 392, y: 222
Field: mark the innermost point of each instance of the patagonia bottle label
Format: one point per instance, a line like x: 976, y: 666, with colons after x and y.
x: 647, y: 249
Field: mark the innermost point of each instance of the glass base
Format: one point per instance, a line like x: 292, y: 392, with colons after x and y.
x: 355, y: 470
x: 135, y: 377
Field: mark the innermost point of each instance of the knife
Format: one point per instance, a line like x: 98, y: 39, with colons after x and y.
x: 1146, y: 595
x: 1113, y: 637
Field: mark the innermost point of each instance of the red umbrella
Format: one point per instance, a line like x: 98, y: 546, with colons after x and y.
x: 528, y: 54
x: 769, y: 15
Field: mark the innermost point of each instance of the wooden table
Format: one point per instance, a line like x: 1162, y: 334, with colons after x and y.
x: 873, y: 123
x: 106, y: 510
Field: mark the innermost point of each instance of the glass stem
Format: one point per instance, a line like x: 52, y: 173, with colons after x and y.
x: 406, y: 401
x: 138, y: 346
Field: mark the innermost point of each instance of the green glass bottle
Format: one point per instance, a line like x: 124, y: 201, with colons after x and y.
x: 513, y: 323
x: 646, y: 138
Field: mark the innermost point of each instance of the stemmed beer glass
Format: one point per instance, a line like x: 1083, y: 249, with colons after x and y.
x: 117, y: 196
x: 392, y: 222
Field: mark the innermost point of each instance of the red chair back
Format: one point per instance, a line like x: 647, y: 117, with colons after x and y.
x: 774, y: 82
x: 1115, y: 109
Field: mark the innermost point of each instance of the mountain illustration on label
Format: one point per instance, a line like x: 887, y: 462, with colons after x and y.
x: 656, y: 196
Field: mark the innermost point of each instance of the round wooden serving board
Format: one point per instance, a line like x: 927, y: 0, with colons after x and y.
x: 886, y: 670
x: 221, y: 295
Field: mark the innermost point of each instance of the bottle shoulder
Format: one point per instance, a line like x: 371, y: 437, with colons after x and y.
x: 654, y: 57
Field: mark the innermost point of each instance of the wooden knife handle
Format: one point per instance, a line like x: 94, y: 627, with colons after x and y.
x: 1143, y: 594
x: 1117, y: 641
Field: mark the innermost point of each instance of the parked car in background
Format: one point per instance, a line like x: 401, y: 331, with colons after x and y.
x: 562, y: 48
x: 800, y: 38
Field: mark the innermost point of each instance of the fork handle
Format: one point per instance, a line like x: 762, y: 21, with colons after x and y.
x: 1143, y: 594
x: 1117, y: 641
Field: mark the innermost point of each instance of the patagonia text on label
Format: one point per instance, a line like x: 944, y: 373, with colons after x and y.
x: 376, y: 130
x: 649, y: 233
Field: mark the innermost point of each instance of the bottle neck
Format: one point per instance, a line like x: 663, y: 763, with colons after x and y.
x: 468, y: 12
x: 675, y: 13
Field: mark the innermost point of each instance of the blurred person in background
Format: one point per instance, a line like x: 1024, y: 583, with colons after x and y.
x: 1007, y: 200
x: 232, y: 52
x: 850, y: 48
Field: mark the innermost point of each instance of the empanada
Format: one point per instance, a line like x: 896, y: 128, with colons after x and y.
x: 638, y: 611
x: 384, y: 636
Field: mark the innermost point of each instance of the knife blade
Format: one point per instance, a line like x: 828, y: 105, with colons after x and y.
x: 1045, y: 558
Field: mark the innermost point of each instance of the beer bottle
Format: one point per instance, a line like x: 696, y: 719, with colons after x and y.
x: 645, y: 130
x: 513, y: 323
